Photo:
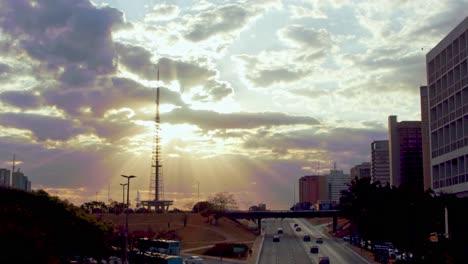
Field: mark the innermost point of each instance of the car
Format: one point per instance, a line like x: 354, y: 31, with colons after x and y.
x: 276, y: 238
x: 298, y: 229
x: 306, y: 238
x: 324, y: 260
x: 319, y: 240
x: 346, y: 238
x: 296, y: 225
x: 194, y: 260
x: 314, y: 249
x: 280, y: 230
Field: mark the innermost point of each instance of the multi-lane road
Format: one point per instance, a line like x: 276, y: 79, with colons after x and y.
x: 293, y: 250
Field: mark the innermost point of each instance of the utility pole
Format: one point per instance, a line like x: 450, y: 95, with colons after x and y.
x: 126, y: 217
x: 198, y: 191
x: 123, y: 192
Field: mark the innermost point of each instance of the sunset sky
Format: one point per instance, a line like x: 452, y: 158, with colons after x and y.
x: 254, y: 93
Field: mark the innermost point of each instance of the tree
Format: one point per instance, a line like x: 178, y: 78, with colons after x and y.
x: 94, y: 207
x: 115, y: 207
x: 202, y: 206
x: 47, y: 229
x: 223, y: 201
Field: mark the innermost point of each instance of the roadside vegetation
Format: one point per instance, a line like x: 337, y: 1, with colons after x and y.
x: 407, y: 218
x: 38, y: 228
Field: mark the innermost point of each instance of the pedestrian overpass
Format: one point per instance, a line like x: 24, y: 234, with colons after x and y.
x: 259, y: 215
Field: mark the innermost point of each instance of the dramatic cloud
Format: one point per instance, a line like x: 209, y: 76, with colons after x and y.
x: 162, y: 12
x: 63, y: 33
x: 187, y: 74
x: 212, y: 120
x: 309, y: 38
x: 42, y: 127
x: 221, y: 20
x: 25, y: 100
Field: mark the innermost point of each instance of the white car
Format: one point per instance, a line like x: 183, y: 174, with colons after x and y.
x: 193, y: 260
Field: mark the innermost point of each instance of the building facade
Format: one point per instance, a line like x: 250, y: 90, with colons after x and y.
x: 447, y: 79
x: 337, y: 182
x: 361, y: 171
x: 380, y: 166
x: 426, y: 151
x: 20, y: 181
x: 4, y: 178
x: 405, y: 154
x: 313, y: 188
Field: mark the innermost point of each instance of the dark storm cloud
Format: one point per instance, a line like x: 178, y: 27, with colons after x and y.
x: 63, y: 33
x: 188, y: 74
x: 220, y: 20
x: 20, y: 99
x: 209, y: 120
x: 42, y: 127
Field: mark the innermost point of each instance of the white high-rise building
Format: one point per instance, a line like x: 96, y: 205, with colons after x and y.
x: 337, y: 182
x: 447, y: 82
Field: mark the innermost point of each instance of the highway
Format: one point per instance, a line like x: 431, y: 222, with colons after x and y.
x: 292, y: 249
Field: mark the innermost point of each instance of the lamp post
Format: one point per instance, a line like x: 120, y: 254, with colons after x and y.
x: 123, y: 192
x: 198, y: 195
x: 126, y: 217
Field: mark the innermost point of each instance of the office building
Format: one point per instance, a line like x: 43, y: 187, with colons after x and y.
x: 4, y: 178
x: 426, y: 151
x: 405, y: 154
x: 337, y: 182
x: 380, y: 166
x: 313, y: 188
x: 361, y: 171
x: 20, y: 181
x: 447, y: 79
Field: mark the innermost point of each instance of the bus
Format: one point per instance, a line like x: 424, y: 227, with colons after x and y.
x: 169, y: 247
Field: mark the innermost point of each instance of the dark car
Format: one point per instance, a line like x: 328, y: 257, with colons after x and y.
x: 296, y: 225
x: 319, y: 240
x: 298, y: 229
x: 280, y: 230
x: 324, y: 260
x: 306, y: 238
x: 314, y: 249
x: 276, y: 238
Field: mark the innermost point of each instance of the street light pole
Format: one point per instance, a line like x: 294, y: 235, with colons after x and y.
x: 126, y: 217
x: 123, y: 192
x: 198, y: 191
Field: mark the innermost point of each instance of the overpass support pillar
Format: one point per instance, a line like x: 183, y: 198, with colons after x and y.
x: 259, y: 223
x: 335, y: 223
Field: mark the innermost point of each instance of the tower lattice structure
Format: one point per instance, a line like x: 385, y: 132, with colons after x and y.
x: 156, y: 191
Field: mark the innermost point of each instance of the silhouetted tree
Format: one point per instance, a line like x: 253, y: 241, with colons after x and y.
x: 38, y: 228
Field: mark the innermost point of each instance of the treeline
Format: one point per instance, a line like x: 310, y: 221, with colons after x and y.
x: 407, y: 218
x: 38, y: 228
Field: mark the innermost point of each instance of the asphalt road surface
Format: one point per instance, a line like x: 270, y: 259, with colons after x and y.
x: 293, y: 250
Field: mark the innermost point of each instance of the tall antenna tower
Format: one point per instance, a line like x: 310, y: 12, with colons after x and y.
x: 156, y: 187
x: 156, y: 190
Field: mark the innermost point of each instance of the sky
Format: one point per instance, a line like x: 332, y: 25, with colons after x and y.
x: 254, y: 93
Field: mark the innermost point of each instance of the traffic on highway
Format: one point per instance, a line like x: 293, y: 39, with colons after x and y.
x: 288, y: 241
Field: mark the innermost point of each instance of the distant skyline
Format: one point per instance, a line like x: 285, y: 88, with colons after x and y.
x: 255, y: 94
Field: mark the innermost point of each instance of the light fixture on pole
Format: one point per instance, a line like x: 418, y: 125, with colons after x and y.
x: 126, y: 216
